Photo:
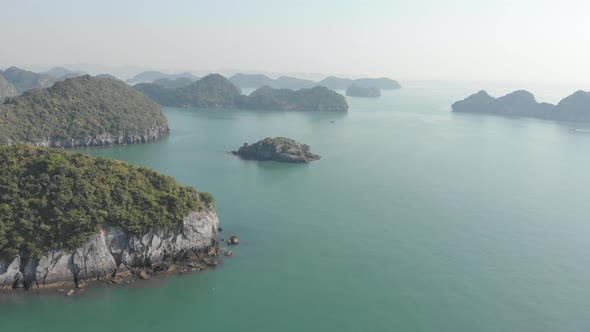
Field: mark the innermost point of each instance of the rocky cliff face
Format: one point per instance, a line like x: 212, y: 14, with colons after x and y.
x: 105, y: 139
x: 113, y: 250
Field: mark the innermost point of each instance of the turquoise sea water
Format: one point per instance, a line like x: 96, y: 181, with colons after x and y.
x: 415, y: 219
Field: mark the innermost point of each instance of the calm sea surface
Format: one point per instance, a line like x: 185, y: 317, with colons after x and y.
x: 415, y: 219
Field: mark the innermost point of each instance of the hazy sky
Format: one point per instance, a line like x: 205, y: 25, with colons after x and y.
x: 412, y: 39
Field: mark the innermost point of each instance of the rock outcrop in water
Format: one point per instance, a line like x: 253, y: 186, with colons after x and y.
x: 359, y: 91
x: 81, y: 112
x: 522, y: 103
x: 279, y: 149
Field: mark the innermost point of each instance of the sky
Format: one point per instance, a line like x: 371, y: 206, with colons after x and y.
x: 518, y: 40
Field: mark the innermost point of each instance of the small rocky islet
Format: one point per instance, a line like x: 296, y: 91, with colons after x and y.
x: 280, y: 149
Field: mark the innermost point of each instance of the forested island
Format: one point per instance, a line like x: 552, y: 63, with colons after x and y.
x: 212, y: 91
x: 69, y: 218
x: 216, y: 91
x: 575, y: 107
x: 81, y: 112
x: 279, y: 149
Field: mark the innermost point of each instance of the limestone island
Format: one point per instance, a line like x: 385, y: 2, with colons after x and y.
x: 522, y: 103
x: 81, y: 112
x: 68, y: 219
x: 279, y: 149
x: 359, y: 91
x: 216, y: 91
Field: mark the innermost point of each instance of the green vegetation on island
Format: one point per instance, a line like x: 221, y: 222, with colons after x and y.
x: 318, y: 98
x: 79, y: 112
x: 51, y: 199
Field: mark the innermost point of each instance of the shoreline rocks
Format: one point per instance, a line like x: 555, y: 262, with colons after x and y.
x: 279, y: 149
x: 113, y: 252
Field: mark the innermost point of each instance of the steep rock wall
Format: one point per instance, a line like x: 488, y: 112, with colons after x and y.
x: 110, y: 250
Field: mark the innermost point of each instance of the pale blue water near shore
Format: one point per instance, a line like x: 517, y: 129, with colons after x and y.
x: 415, y: 219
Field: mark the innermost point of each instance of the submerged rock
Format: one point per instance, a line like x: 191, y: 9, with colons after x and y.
x: 279, y: 149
